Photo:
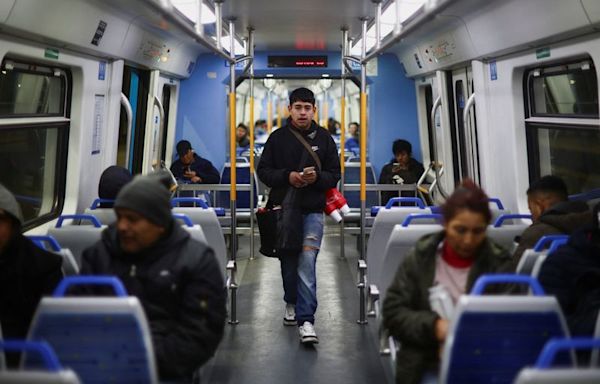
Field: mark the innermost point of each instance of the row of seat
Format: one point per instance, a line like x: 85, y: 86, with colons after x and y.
x: 97, y: 339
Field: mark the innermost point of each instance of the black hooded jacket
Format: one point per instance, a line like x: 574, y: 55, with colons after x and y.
x: 410, y: 176
x: 572, y: 274
x: 26, y: 274
x: 283, y: 153
x: 180, y: 287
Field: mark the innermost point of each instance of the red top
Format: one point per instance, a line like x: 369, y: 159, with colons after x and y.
x: 454, y: 259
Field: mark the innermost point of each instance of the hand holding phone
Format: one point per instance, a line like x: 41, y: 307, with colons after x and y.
x: 308, y: 170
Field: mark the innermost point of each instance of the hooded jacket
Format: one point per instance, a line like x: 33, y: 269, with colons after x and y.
x: 406, y: 310
x: 180, y: 287
x: 284, y: 153
x: 562, y: 218
x: 26, y: 274
x: 203, y: 168
x: 410, y: 176
x: 572, y: 274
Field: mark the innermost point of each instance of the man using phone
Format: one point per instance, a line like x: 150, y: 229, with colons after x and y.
x: 402, y: 169
x: 191, y: 168
x: 285, y: 163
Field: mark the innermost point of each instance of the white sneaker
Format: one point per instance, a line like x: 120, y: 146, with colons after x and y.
x: 289, y: 316
x: 307, y: 334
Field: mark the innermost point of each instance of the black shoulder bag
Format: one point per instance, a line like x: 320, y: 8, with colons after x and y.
x: 281, y: 227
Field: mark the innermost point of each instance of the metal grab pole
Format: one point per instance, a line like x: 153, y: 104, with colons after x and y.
x: 128, y: 111
x: 343, y: 137
x: 468, y: 129
x: 363, y: 174
x: 436, y: 104
x: 232, y: 154
x: 250, y: 52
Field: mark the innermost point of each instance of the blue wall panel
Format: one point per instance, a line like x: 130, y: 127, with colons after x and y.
x: 392, y: 111
x: 202, y: 113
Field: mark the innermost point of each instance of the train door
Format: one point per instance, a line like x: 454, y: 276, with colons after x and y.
x: 464, y: 135
x: 134, y: 100
x: 434, y: 123
x: 160, y: 121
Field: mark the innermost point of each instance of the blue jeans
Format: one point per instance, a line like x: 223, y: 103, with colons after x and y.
x: 299, y: 273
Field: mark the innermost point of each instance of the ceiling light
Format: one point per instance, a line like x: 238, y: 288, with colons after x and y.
x: 189, y: 8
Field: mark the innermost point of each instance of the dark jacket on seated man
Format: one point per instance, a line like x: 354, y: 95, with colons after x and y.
x: 26, y: 273
x: 176, y: 278
x: 562, y: 218
x: 572, y: 274
x: 191, y: 168
x: 402, y: 169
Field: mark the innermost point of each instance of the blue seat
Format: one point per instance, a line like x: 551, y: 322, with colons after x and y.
x: 103, y: 339
x: 352, y: 176
x: 544, y: 371
x: 491, y: 338
x: 242, y: 177
x: 52, y: 371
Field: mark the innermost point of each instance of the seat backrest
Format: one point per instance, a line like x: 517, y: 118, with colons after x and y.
x: 242, y: 177
x: 400, y: 242
x: 352, y: 176
x: 487, y: 331
x: 103, y: 339
x: 48, y: 243
x: 52, y: 373
x: 207, y: 219
x: 106, y: 216
x: 527, y: 262
x: 383, y: 224
x: 76, y: 238
x: 505, y: 235
x: 544, y: 371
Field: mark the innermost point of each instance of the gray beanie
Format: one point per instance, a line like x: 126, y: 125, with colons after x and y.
x: 147, y: 196
x: 9, y: 204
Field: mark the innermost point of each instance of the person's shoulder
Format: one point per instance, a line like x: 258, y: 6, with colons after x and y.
x: 37, y: 259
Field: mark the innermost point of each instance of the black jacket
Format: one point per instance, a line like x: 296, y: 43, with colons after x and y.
x: 562, y: 218
x: 410, y: 176
x: 282, y: 155
x: 572, y: 274
x: 26, y: 274
x: 201, y: 166
x: 179, y: 284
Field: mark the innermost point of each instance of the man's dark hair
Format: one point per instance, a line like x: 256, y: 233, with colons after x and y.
x: 401, y: 146
x: 243, y: 126
x: 302, y: 94
x: 549, y: 185
x: 183, y: 147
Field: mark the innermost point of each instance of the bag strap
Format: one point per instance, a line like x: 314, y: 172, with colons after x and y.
x: 307, y: 146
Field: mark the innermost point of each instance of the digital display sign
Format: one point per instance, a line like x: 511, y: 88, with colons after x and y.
x: 297, y: 61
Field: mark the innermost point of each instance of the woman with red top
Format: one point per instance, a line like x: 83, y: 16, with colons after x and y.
x: 450, y: 260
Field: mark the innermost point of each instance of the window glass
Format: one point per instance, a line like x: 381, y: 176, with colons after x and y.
x: 572, y: 91
x: 31, y: 158
x: 570, y: 153
x: 25, y: 93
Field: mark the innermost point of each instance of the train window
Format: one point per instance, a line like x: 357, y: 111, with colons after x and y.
x: 572, y: 153
x: 33, y: 168
x: 562, y: 124
x: 31, y: 90
x: 570, y: 89
x: 34, y: 143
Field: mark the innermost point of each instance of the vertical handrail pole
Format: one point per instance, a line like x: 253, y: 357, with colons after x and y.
x: 129, y: 113
x: 250, y: 52
x: 343, y: 135
x: 363, y: 167
x: 232, y: 154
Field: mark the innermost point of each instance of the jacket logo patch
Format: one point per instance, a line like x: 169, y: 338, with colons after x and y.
x: 315, y: 148
x: 164, y: 273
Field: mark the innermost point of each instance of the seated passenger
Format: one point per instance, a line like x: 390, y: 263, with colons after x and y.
x: 111, y: 181
x: 241, y: 135
x: 176, y: 278
x: 26, y: 273
x: 551, y: 211
x: 191, y: 168
x: 402, y: 169
x: 353, y: 138
x: 453, y: 258
x: 572, y: 274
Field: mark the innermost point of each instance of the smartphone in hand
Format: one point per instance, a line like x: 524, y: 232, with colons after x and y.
x: 308, y: 170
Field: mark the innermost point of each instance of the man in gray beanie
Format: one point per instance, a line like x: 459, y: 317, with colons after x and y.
x: 176, y: 278
x: 26, y: 273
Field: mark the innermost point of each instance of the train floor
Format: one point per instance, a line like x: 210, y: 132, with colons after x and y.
x: 260, y: 349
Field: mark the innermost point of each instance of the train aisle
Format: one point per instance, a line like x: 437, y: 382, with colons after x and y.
x: 260, y: 349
